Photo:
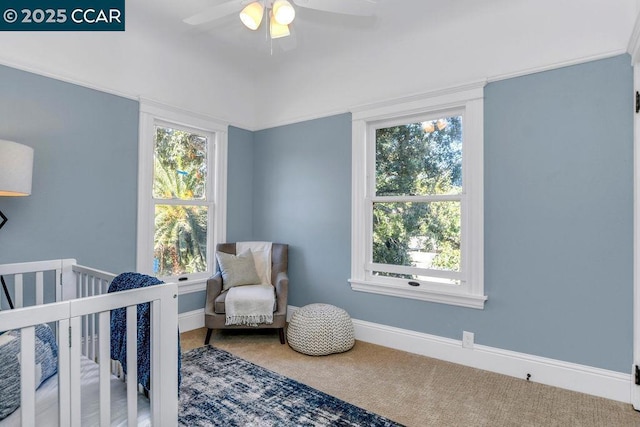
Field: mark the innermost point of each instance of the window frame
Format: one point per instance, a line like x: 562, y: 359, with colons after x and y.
x: 153, y: 114
x: 466, y: 101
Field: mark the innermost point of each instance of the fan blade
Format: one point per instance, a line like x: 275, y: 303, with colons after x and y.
x: 213, y: 13
x: 345, y: 7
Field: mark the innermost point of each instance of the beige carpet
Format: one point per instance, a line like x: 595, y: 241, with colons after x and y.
x: 420, y: 391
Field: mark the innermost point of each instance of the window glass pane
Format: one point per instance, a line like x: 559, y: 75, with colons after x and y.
x: 420, y: 158
x: 180, y: 164
x: 180, y: 240
x: 425, y: 235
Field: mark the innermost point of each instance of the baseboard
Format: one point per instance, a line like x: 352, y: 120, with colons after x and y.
x: 571, y: 376
x: 191, y: 320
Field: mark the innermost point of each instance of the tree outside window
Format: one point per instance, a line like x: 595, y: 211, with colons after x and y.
x: 180, y: 197
x: 417, y: 206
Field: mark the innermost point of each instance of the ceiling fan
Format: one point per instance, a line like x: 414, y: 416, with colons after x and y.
x: 280, y: 13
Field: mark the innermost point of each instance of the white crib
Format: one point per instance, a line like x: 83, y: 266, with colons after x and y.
x: 80, y: 313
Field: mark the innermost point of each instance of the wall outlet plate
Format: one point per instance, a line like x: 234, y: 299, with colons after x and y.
x: 467, y: 339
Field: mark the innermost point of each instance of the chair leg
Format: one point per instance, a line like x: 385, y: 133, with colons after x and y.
x: 206, y: 340
x: 281, y: 333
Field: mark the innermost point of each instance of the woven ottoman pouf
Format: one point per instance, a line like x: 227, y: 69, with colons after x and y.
x: 320, y: 329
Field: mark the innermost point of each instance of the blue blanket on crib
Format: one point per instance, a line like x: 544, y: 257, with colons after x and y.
x: 127, y: 281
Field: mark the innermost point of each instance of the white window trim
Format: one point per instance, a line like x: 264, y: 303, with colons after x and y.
x: 469, y: 98
x: 151, y: 113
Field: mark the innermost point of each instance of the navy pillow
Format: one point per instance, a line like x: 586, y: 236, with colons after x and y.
x: 46, y: 365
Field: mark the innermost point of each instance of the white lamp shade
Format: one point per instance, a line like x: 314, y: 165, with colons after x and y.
x: 283, y: 12
x: 16, y: 169
x: 277, y: 30
x: 251, y: 16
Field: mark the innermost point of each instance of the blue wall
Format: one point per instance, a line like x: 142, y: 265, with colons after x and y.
x: 302, y: 196
x: 558, y: 218
x: 558, y: 205
x: 240, y: 185
x: 84, y: 196
x: 559, y: 214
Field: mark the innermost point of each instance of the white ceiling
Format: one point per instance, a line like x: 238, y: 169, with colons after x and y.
x: 226, y: 71
x: 323, y: 35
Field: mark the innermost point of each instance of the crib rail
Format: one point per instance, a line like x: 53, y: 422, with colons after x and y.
x: 68, y: 280
x: 89, y: 282
x: 18, y: 272
x: 69, y: 315
x: 83, y: 328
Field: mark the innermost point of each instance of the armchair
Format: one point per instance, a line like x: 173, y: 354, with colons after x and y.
x: 214, y: 312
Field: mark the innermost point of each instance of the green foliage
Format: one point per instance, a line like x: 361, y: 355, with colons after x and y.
x: 180, y: 167
x: 412, y: 162
x: 180, y: 170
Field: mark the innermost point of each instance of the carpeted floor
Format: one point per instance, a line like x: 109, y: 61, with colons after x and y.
x: 419, y: 391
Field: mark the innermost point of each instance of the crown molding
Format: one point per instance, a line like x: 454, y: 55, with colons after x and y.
x: 633, y: 49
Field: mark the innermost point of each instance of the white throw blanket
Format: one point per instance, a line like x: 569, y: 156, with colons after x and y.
x: 249, y: 305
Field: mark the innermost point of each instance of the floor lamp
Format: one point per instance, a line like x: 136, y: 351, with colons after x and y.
x: 16, y: 170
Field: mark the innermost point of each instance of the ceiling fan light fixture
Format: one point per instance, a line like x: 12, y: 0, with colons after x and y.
x: 283, y: 12
x: 277, y: 30
x: 251, y: 15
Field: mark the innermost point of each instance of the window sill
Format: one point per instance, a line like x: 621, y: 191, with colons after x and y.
x: 190, y: 286
x: 459, y: 299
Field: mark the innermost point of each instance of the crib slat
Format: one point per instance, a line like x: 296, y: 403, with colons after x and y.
x: 132, y: 365
x: 28, y: 375
x: 95, y: 317
x: 75, y: 373
x: 154, y: 320
x: 105, y: 368
x: 18, y: 291
x: 59, y: 285
x: 166, y: 381
x: 39, y: 288
x: 90, y: 337
x: 84, y: 293
x: 64, y: 381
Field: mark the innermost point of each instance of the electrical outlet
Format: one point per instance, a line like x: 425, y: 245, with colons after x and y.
x: 467, y: 339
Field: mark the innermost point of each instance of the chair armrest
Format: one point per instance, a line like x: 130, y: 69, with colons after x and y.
x: 282, y: 282
x: 282, y: 289
x: 214, y: 288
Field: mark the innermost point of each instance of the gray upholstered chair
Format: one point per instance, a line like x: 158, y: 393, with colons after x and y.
x: 214, y: 312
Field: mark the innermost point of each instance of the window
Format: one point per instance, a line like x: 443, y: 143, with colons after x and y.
x: 182, y: 179
x: 417, y: 215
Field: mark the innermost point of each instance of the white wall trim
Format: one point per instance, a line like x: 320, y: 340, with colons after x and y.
x: 416, y: 103
x: 556, y: 65
x: 570, y: 376
x: 423, y: 294
x: 101, y: 88
x: 71, y: 80
x: 191, y: 286
x: 490, y: 79
x: 191, y: 320
x: 467, y: 101
x: 181, y: 116
x: 635, y: 390
x: 152, y: 112
x: 633, y: 48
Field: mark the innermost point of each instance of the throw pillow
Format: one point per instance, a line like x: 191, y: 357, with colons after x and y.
x: 237, y: 270
x: 46, y: 365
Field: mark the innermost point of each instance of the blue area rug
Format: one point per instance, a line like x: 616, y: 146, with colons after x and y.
x: 220, y: 389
